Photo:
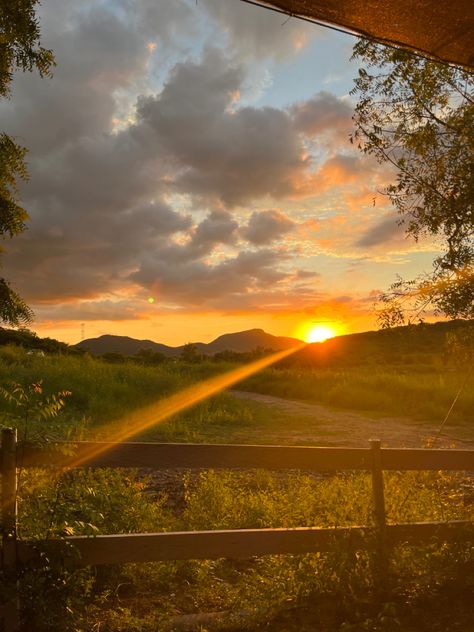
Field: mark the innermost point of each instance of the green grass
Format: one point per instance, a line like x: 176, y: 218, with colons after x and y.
x: 226, y: 419
x: 103, y: 392
x: 100, y: 392
x: 330, y: 592
x: 145, y: 597
x: 424, y: 395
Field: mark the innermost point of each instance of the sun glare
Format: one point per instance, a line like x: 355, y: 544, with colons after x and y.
x: 153, y: 414
x: 319, y: 333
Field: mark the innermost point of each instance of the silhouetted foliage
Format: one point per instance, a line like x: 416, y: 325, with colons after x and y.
x: 242, y: 356
x: 114, y: 358
x: 418, y: 116
x: 13, y: 309
x: 190, y: 353
x: 149, y: 357
x: 20, y: 49
x: 29, y: 340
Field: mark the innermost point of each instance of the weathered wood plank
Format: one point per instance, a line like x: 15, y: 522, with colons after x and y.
x: 242, y: 543
x: 418, y: 532
x: 189, y: 545
x: 427, y: 459
x: 8, y: 489
x: 380, y: 561
x: 8, y: 497
x: 182, y: 455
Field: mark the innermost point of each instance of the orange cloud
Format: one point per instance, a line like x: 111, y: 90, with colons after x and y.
x: 339, y: 171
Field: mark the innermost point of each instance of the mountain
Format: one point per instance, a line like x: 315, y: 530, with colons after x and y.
x: 418, y: 345
x: 123, y: 345
x: 244, y: 341
x: 241, y: 342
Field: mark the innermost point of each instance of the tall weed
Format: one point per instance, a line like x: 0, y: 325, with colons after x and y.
x: 143, y: 596
x: 425, y: 395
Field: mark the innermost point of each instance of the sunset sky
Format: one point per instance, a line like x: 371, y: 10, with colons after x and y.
x: 191, y: 175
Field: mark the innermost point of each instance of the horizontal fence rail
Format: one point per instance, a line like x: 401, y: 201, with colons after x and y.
x: 197, y: 455
x: 240, y: 543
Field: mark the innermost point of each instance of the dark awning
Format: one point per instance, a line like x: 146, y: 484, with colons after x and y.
x: 442, y: 29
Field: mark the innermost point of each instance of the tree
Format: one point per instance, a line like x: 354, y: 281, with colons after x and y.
x: 418, y: 116
x: 149, y: 357
x: 20, y: 49
x: 190, y: 353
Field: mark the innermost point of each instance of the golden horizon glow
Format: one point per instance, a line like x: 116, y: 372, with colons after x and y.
x: 320, y: 333
x: 153, y: 414
x: 181, y: 328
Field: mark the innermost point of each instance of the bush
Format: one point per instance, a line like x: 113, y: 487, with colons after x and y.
x: 146, y: 595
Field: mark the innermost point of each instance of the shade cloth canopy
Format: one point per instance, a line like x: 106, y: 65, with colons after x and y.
x: 441, y: 29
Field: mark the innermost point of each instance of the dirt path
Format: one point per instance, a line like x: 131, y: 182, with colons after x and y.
x: 338, y: 427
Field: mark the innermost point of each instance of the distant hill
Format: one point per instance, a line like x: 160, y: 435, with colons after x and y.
x: 239, y: 342
x: 419, y: 345
x: 123, y: 345
x: 244, y: 341
x: 416, y: 345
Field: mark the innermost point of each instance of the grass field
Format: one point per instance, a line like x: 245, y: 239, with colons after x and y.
x: 424, y: 395
x: 330, y: 592
x: 102, y: 392
x: 271, y: 590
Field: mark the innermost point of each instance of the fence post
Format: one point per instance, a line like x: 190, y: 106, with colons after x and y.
x: 377, y: 485
x: 379, y: 512
x: 11, y: 610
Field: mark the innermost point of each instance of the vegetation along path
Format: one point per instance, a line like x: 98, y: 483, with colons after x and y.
x: 330, y: 426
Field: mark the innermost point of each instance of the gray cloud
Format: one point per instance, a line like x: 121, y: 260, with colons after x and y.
x: 98, y: 50
x: 387, y: 230
x: 323, y: 114
x: 172, y: 277
x: 266, y: 226
x: 234, y: 155
x: 95, y: 198
x: 257, y: 33
x: 94, y: 310
x: 217, y: 228
x: 71, y: 257
x: 99, y: 196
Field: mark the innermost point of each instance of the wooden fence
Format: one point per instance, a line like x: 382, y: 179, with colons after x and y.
x: 237, y: 543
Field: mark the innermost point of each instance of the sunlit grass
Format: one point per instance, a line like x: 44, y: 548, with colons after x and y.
x: 103, y: 392
x: 144, y: 597
x: 136, y: 422
x: 423, y: 395
x: 100, y: 391
x: 138, y: 597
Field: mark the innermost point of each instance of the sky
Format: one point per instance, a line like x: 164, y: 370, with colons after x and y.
x: 191, y: 175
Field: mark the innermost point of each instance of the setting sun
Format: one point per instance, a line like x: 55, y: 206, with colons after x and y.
x: 319, y: 333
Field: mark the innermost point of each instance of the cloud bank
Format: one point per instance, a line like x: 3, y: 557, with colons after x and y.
x: 150, y: 173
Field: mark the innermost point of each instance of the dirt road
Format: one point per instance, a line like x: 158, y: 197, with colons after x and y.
x: 330, y: 426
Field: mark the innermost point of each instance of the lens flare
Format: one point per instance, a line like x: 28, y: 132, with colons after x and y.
x: 320, y: 333
x: 156, y: 413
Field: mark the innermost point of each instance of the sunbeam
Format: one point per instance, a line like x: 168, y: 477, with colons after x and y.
x: 140, y: 420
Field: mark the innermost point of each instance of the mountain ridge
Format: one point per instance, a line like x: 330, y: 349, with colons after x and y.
x: 240, y: 342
